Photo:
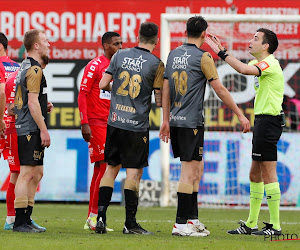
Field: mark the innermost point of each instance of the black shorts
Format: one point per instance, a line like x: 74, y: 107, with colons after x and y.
x: 187, y: 143
x: 266, y: 134
x: 131, y: 149
x: 30, y: 149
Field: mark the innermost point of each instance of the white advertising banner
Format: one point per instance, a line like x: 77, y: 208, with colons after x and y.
x: 227, y: 156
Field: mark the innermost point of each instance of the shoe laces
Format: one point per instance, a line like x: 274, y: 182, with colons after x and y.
x: 267, y: 227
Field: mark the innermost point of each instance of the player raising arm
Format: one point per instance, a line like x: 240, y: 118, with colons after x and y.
x: 268, y: 125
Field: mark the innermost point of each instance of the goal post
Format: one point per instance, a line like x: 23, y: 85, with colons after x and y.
x: 165, y: 47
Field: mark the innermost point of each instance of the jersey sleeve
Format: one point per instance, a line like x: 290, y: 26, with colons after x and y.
x: 112, y: 64
x: 208, y: 67
x: 263, y: 67
x: 166, y: 73
x: 89, y: 76
x: 2, y: 76
x: 33, y: 79
x: 159, y: 76
x: 9, y: 90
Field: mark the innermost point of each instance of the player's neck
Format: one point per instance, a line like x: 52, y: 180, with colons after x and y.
x: 147, y: 46
x: 3, y: 53
x: 107, y: 55
x: 262, y: 56
x: 197, y: 41
x: 36, y: 57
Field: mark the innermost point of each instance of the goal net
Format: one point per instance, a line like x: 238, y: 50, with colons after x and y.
x: 227, y: 152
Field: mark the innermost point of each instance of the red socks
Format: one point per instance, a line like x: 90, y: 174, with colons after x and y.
x: 10, y: 198
x: 94, y: 206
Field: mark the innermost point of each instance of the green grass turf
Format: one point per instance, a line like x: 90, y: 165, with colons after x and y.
x: 64, y: 225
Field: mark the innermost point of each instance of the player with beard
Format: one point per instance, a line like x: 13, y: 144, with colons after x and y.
x: 31, y: 119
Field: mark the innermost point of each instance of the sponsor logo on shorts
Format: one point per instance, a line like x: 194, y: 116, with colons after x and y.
x: 28, y: 137
x: 145, y: 139
x: 255, y: 154
x: 195, y: 131
x: 200, y: 151
x: 37, y: 155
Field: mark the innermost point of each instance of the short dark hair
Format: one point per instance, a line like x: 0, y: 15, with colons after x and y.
x: 3, y: 40
x: 269, y: 38
x: 107, y: 36
x: 148, y: 32
x: 31, y: 37
x: 195, y: 26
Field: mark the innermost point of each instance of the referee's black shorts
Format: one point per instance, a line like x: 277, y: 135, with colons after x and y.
x: 266, y: 134
x: 128, y: 148
x: 187, y: 143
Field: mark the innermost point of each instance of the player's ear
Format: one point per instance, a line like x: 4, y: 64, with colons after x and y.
x: 138, y: 39
x: 266, y: 46
x: 157, y: 40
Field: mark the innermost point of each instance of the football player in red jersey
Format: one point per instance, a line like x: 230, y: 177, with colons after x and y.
x: 8, y: 138
x: 93, y: 105
x: 7, y: 66
x: 10, y: 149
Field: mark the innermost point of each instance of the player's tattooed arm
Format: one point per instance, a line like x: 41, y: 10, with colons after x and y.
x: 158, y: 97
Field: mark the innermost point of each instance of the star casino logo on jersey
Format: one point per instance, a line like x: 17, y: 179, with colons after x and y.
x: 133, y: 64
x: 180, y: 62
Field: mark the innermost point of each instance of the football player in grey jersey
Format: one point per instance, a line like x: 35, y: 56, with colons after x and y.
x: 135, y: 73
x: 31, y: 106
x: 187, y: 71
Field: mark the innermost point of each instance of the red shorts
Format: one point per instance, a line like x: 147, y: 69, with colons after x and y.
x: 97, y: 143
x: 9, y: 148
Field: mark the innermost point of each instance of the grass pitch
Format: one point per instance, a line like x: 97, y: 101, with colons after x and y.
x: 64, y: 225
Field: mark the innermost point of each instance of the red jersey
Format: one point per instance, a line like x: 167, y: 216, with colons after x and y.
x: 7, y: 66
x: 10, y: 88
x: 94, y: 103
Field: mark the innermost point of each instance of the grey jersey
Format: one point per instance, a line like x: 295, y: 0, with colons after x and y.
x: 136, y: 72
x: 30, y: 79
x: 188, y: 69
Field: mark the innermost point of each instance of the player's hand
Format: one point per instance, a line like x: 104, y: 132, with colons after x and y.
x: 215, y: 40
x: 245, y: 123
x: 86, y: 132
x: 2, y: 128
x: 211, y: 44
x: 45, y: 139
x: 50, y: 107
x: 164, y: 133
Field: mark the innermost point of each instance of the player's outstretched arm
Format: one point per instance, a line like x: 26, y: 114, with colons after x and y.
x: 225, y: 96
x: 105, y: 82
x: 36, y: 113
x: 239, y: 66
x: 164, y: 133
